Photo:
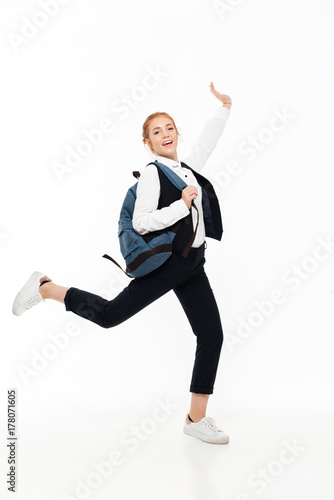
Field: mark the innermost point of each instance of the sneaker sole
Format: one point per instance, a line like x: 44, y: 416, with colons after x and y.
x: 31, y: 281
x: 205, y: 438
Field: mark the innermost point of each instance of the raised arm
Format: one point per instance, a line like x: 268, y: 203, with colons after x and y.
x: 210, y: 134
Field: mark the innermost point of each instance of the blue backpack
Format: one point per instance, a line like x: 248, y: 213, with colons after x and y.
x: 145, y: 253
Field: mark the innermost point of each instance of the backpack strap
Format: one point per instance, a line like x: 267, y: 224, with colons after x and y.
x: 190, y: 242
x: 117, y: 264
x: 172, y: 176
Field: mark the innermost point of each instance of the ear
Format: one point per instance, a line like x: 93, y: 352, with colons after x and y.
x: 148, y: 143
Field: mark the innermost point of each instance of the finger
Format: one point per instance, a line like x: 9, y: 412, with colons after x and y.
x: 192, y: 191
x: 189, y: 195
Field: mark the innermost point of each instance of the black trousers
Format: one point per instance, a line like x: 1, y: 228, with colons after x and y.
x: 187, y: 278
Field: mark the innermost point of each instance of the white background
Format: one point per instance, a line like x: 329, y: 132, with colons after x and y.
x: 273, y: 385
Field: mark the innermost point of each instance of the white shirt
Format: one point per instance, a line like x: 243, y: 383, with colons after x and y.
x: 146, y: 216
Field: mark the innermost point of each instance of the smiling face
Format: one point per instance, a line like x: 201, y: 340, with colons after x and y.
x: 162, y: 137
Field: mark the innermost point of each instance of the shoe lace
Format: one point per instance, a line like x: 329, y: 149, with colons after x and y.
x: 32, y: 300
x: 210, y: 422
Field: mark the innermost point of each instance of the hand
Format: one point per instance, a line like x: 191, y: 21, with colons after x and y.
x: 225, y: 99
x: 189, y: 194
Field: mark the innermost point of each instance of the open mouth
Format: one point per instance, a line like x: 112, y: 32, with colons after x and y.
x: 167, y: 144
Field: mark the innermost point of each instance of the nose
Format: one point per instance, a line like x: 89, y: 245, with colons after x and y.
x: 166, y: 136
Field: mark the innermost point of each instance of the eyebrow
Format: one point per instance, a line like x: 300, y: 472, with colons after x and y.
x: 160, y: 127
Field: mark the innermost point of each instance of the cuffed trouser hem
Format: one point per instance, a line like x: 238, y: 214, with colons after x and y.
x: 201, y: 390
x: 67, y: 298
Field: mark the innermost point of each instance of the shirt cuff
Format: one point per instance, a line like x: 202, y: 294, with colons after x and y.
x: 223, y: 112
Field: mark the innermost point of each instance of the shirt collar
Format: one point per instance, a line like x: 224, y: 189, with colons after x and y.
x: 169, y: 162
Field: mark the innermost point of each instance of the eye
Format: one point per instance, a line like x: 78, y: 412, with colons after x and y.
x: 170, y: 128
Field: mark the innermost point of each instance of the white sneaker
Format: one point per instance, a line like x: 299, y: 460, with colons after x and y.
x: 29, y: 294
x: 206, y: 430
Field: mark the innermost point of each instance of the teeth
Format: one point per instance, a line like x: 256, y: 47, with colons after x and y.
x: 167, y: 142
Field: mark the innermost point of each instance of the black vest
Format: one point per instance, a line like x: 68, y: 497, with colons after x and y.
x: 211, y: 211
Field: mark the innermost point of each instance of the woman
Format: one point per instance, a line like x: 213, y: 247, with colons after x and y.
x: 158, y: 206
